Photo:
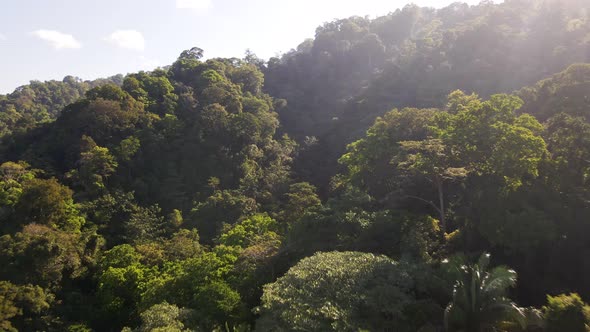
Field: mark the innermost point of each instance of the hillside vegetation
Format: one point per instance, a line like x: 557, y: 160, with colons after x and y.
x: 425, y: 170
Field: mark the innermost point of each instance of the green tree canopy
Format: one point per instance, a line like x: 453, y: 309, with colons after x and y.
x: 339, y: 291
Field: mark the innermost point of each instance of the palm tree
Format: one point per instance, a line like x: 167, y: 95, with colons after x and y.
x: 479, y: 300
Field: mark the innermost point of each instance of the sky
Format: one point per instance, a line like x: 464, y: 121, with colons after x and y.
x: 49, y: 39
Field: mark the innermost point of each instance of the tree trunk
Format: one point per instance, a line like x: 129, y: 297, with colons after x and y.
x: 441, y: 206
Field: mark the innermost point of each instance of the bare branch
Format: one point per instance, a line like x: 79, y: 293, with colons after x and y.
x: 425, y: 201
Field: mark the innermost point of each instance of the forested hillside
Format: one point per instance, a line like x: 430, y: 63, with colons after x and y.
x: 427, y: 170
x: 358, y: 68
x: 40, y: 102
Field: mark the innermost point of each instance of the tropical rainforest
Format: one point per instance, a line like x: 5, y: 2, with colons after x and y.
x: 426, y: 170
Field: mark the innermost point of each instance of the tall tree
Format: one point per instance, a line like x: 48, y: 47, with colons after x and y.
x: 432, y: 160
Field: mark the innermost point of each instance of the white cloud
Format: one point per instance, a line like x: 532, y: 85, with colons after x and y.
x: 3, y: 37
x: 193, y: 4
x: 129, y: 39
x: 57, y: 39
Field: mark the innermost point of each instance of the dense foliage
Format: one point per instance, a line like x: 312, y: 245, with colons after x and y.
x: 422, y: 171
x: 41, y: 102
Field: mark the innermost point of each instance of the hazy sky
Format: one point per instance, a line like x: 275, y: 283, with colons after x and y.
x: 49, y: 39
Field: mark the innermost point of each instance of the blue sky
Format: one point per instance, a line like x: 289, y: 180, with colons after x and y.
x: 49, y: 39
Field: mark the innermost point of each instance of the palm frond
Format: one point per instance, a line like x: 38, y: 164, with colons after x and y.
x: 499, y: 280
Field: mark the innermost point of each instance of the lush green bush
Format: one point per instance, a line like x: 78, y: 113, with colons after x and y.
x: 567, y: 313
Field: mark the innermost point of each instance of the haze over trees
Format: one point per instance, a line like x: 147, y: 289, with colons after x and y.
x: 425, y: 170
